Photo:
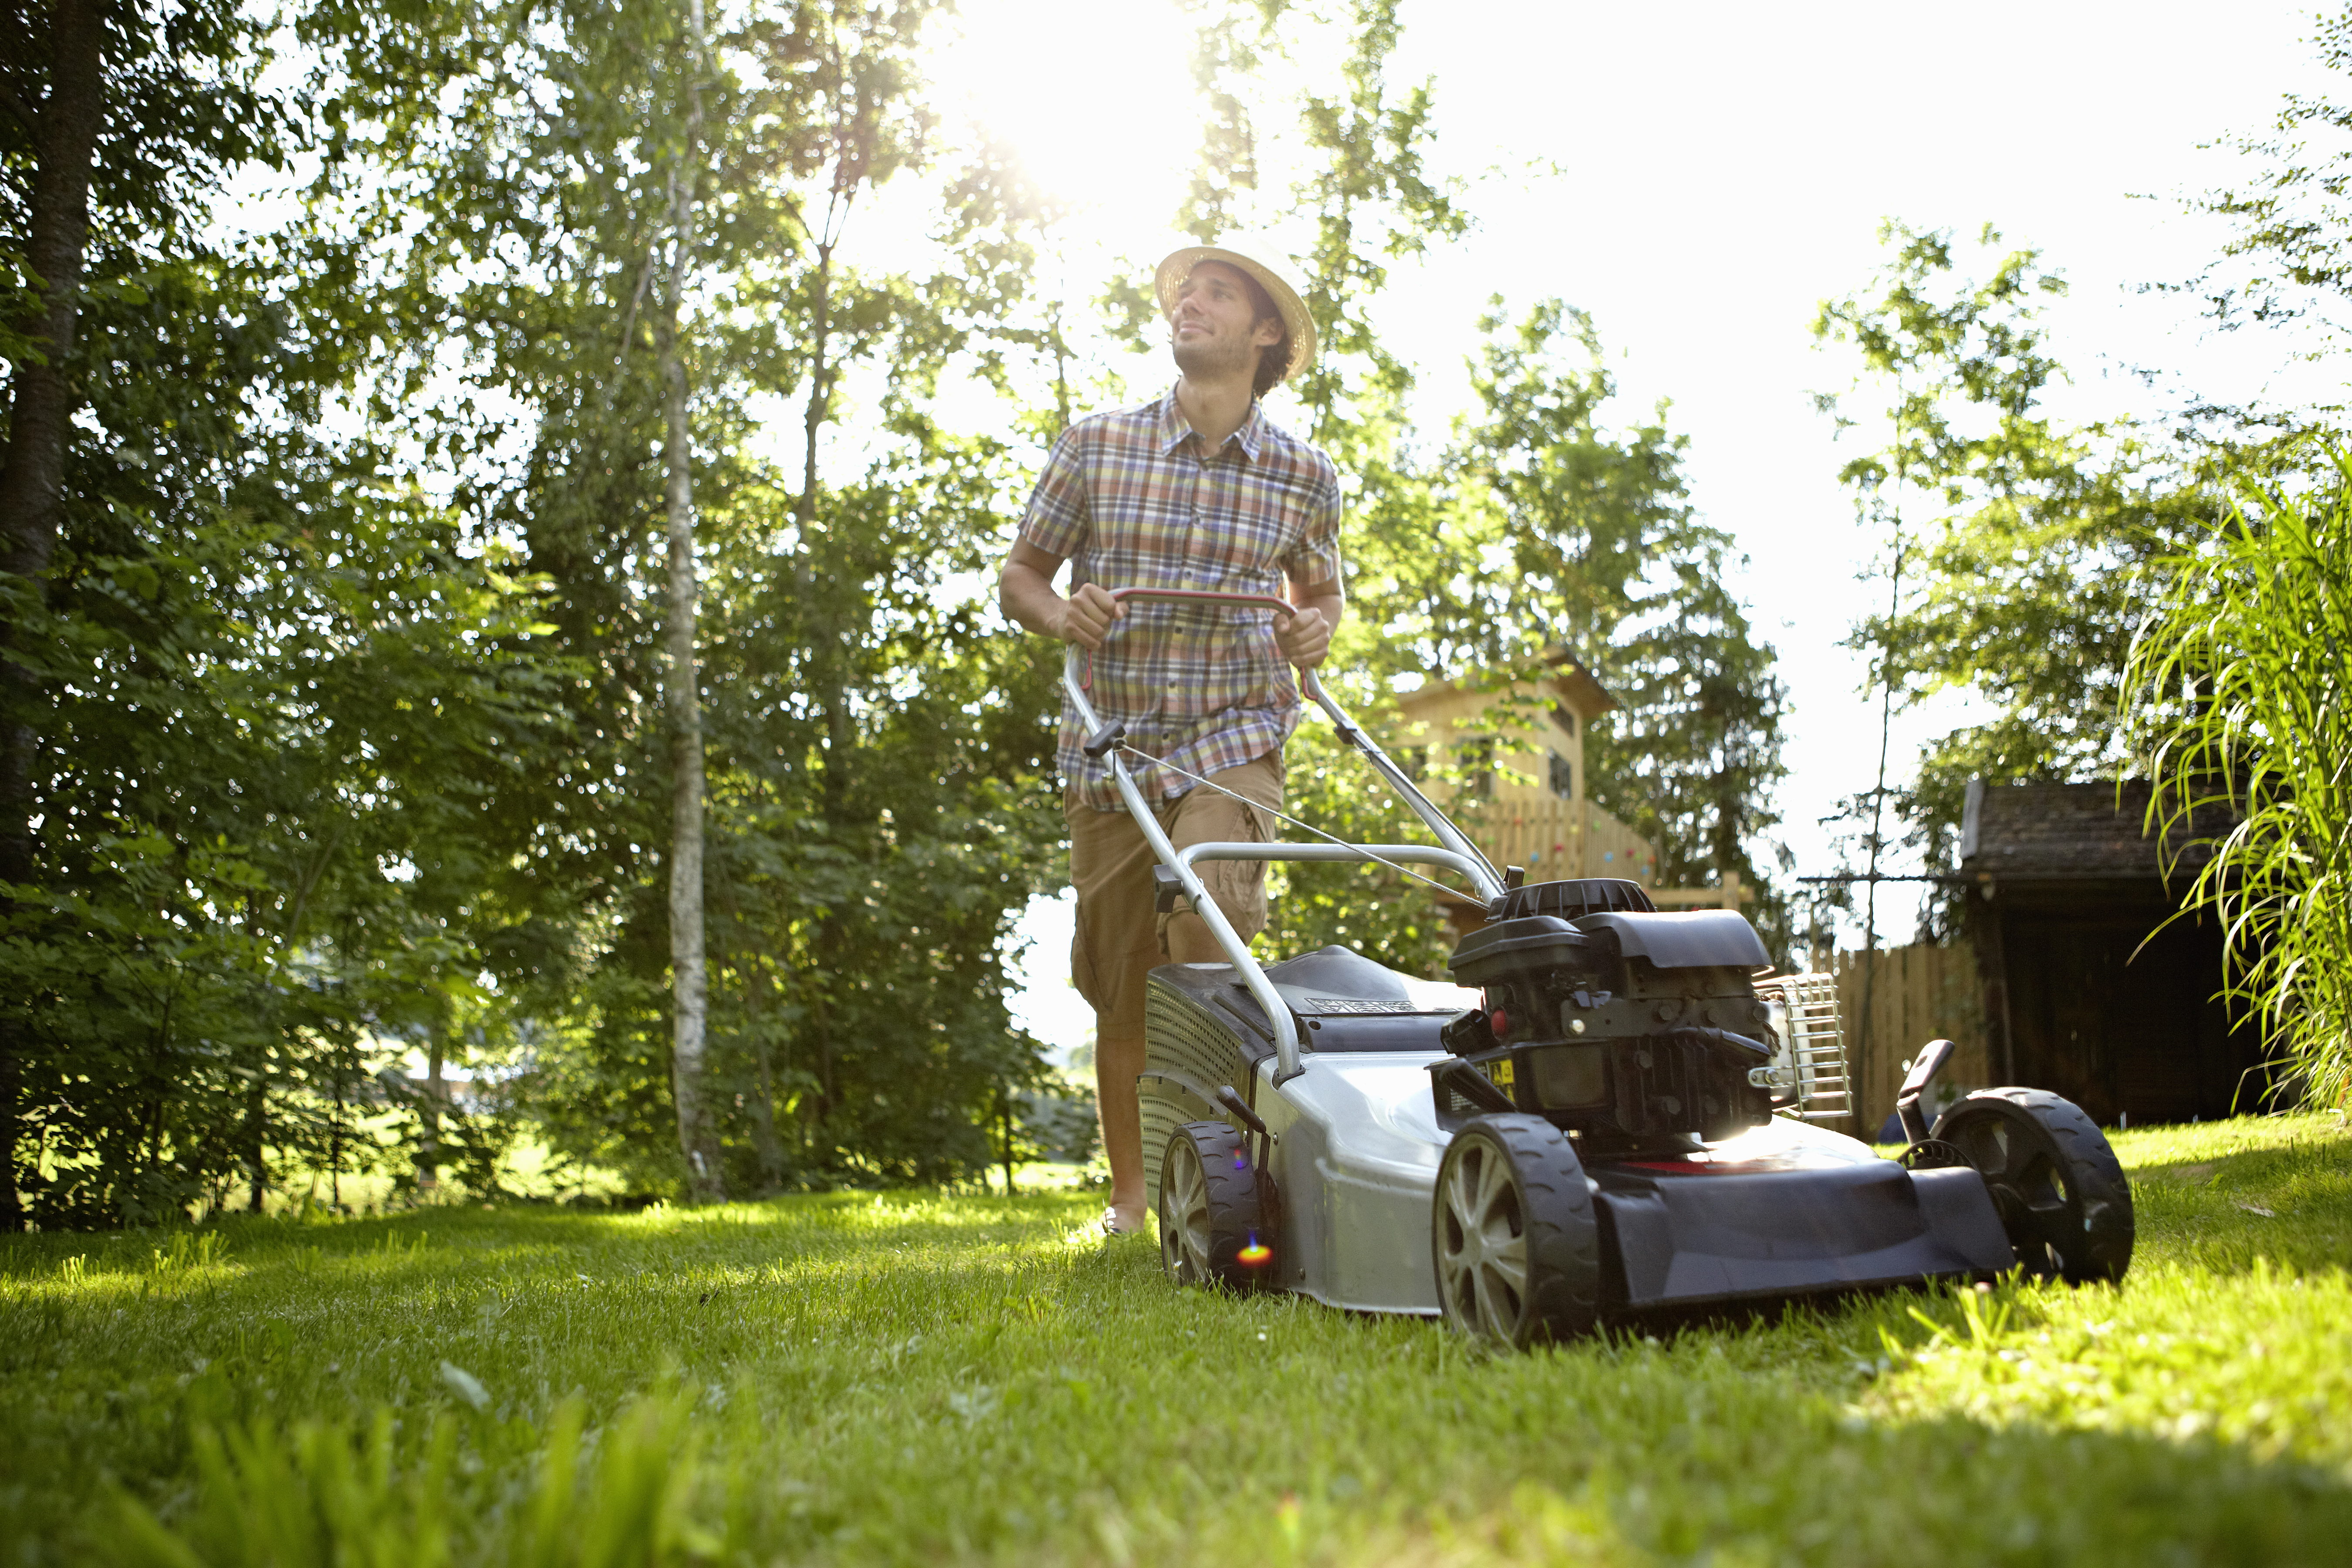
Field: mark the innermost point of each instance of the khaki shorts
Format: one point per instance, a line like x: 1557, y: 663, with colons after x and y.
x: 1120, y: 941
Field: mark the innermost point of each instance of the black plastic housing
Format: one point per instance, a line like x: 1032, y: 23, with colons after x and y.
x: 1573, y: 899
x: 1630, y: 1027
x: 1530, y: 945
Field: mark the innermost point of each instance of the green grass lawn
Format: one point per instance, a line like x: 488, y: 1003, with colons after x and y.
x: 908, y: 1378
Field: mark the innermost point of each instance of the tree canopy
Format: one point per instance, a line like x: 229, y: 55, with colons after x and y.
x: 576, y: 474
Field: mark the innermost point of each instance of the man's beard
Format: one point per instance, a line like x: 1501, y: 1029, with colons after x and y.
x: 1216, y: 359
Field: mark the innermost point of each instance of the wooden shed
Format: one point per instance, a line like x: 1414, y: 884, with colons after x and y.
x: 1520, y: 732
x: 2082, y: 992
x: 1525, y: 804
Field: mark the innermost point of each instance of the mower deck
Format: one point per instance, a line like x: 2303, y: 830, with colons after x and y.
x: 1783, y: 1210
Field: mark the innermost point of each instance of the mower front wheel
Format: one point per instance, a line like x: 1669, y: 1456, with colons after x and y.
x: 2059, y: 1189
x: 1210, y: 1218
x: 1516, y: 1242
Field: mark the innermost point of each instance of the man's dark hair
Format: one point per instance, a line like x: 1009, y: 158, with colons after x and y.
x: 1275, y: 358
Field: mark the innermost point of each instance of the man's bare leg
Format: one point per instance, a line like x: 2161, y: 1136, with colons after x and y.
x: 1117, y: 1061
x: 1189, y: 941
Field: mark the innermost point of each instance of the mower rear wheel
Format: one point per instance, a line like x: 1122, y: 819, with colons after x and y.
x: 2056, y: 1183
x: 1516, y: 1240
x: 1211, y: 1220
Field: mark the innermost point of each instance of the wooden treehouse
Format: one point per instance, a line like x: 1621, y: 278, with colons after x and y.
x: 1506, y: 758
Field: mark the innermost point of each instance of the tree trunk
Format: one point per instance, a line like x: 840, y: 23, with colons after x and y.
x: 428, y: 1143
x: 765, y: 1144
x: 32, y: 473
x: 257, y: 1140
x: 824, y: 659
x: 829, y: 644
x: 1878, y: 804
x: 696, y: 1139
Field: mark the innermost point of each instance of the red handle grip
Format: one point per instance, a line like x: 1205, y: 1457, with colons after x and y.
x: 1262, y: 601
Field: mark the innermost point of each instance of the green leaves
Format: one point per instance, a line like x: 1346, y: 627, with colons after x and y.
x: 2017, y: 549
x: 872, y: 754
x: 1542, y: 524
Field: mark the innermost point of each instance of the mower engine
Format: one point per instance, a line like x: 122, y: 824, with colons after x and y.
x: 1633, y: 1031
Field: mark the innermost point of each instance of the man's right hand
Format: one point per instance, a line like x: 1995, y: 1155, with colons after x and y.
x: 1085, y: 616
x: 1026, y: 592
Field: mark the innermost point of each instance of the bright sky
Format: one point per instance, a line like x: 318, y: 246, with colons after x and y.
x: 1721, y: 170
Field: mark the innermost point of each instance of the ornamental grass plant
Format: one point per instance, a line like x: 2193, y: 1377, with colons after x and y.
x: 2240, y: 678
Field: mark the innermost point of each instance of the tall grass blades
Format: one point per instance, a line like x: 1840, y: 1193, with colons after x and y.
x: 316, y: 1495
x: 2240, y: 678
x: 323, y: 1493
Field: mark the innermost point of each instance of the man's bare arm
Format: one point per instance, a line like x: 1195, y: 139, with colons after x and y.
x: 1305, y: 639
x: 1025, y: 591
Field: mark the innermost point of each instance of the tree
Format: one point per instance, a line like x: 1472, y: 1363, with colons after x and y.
x: 103, y: 109
x: 1534, y: 524
x: 2022, y: 553
x: 1538, y: 525
x: 2290, y: 261
x: 866, y: 826
x: 1608, y: 556
x: 697, y: 1140
x: 1936, y: 352
x: 220, y: 664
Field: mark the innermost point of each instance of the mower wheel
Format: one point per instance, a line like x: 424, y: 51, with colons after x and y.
x: 1211, y: 1222
x: 2059, y: 1189
x: 1516, y: 1242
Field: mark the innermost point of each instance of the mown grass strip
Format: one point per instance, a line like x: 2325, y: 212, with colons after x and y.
x: 904, y: 1378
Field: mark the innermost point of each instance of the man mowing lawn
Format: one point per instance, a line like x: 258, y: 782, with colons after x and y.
x: 1196, y: 489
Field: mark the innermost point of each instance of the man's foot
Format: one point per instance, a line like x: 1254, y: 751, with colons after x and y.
x: 1123, y: 1219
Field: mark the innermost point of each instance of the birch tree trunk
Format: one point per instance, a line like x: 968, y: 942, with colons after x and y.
x: 696, y: 1139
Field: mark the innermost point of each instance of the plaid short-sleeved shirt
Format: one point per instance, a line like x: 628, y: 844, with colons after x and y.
x: 1131, y: 501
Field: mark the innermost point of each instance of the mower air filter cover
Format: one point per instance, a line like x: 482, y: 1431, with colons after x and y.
x: 1532, y: 946
x: 1572, y: 899
x: 1695, y: 939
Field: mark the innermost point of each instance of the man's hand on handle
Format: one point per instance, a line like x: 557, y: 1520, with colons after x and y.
x: 1304, y: 638
x: 1085, y: 618
x: 1026, y: 592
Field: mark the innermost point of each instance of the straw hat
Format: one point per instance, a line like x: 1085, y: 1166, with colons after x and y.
x: 1178, y: 267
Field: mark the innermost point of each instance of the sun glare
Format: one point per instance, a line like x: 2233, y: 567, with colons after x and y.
x: 1096, y: 98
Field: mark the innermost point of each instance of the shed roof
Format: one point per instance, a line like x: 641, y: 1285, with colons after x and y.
x: 1561, y: 671
x: 2059, y: 832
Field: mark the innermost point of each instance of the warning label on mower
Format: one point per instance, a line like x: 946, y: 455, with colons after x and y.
x: 1359, y: 1005
x: 1498, y: 1073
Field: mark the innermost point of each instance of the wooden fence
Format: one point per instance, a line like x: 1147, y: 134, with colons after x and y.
x: 1922, y: 992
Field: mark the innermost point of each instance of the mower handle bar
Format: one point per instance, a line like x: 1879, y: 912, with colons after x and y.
x: 1457, y: 852
x: 1307, y: 685
x: 1370, y: 854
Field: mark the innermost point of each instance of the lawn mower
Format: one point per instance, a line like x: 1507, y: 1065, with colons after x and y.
x: 1611, y: 1112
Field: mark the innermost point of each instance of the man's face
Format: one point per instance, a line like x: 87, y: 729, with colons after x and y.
x: 1213, y: 328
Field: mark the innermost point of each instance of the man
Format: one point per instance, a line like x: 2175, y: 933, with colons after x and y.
x: 1196, y: 489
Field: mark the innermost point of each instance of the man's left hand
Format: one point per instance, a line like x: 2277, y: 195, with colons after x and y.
x: 1304, y: 638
